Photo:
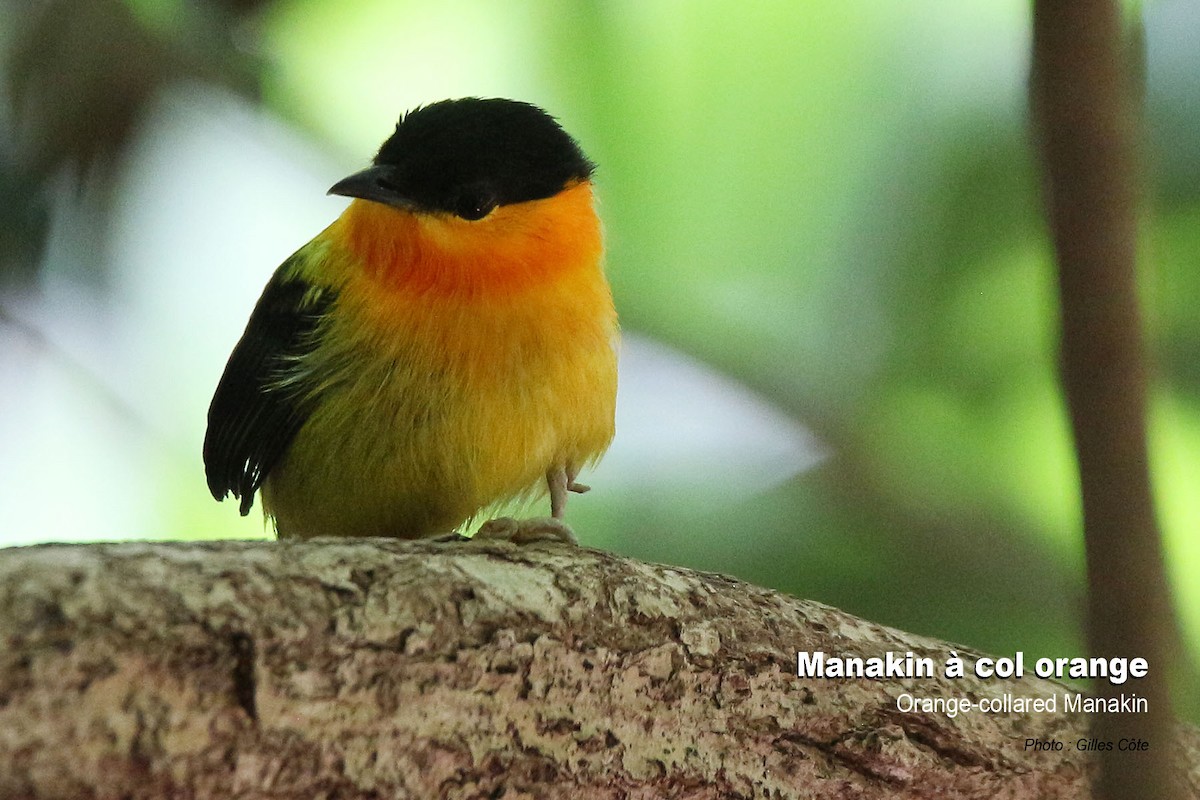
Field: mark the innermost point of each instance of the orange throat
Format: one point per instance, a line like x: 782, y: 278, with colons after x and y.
x: 515, y: 248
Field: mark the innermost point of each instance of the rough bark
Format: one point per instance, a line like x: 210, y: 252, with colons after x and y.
x: 381, y: 669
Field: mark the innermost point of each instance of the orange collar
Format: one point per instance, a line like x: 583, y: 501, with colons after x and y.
x: 514, y: 248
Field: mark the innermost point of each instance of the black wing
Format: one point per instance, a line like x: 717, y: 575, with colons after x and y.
x: 252, y: 418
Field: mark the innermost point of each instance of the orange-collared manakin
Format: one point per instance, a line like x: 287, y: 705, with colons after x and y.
x: 446, y: 345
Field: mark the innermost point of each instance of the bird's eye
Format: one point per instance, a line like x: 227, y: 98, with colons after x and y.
x: 474, y: 205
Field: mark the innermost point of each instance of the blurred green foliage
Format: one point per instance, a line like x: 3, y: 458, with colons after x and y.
x: 836, y: 203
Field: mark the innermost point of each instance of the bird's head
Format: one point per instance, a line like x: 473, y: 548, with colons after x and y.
x: 468, y: 157
x: 467, y: 192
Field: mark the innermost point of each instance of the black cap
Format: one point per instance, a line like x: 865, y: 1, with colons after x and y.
x: 465, y: 157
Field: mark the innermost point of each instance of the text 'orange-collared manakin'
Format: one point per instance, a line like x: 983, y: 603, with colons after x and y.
x: 446, y: 345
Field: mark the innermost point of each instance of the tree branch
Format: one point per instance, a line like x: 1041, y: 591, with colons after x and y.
x: 1086, y: 129
x: 377, y: 668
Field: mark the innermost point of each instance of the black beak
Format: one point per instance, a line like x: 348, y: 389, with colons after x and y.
x: 377, y: 183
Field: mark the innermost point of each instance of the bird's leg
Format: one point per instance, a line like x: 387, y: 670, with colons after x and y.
x: 560, y: 480
x: 557, y: 480
x: 572, y: 486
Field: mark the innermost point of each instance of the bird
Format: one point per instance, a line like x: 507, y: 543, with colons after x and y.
x: 447, y: 345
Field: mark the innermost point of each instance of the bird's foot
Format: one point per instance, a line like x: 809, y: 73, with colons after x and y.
x: 526, y: 531
x: 447, y: 538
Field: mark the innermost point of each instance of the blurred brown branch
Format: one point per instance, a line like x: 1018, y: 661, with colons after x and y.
x: 1083, y: 105
x: 79, y: 74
